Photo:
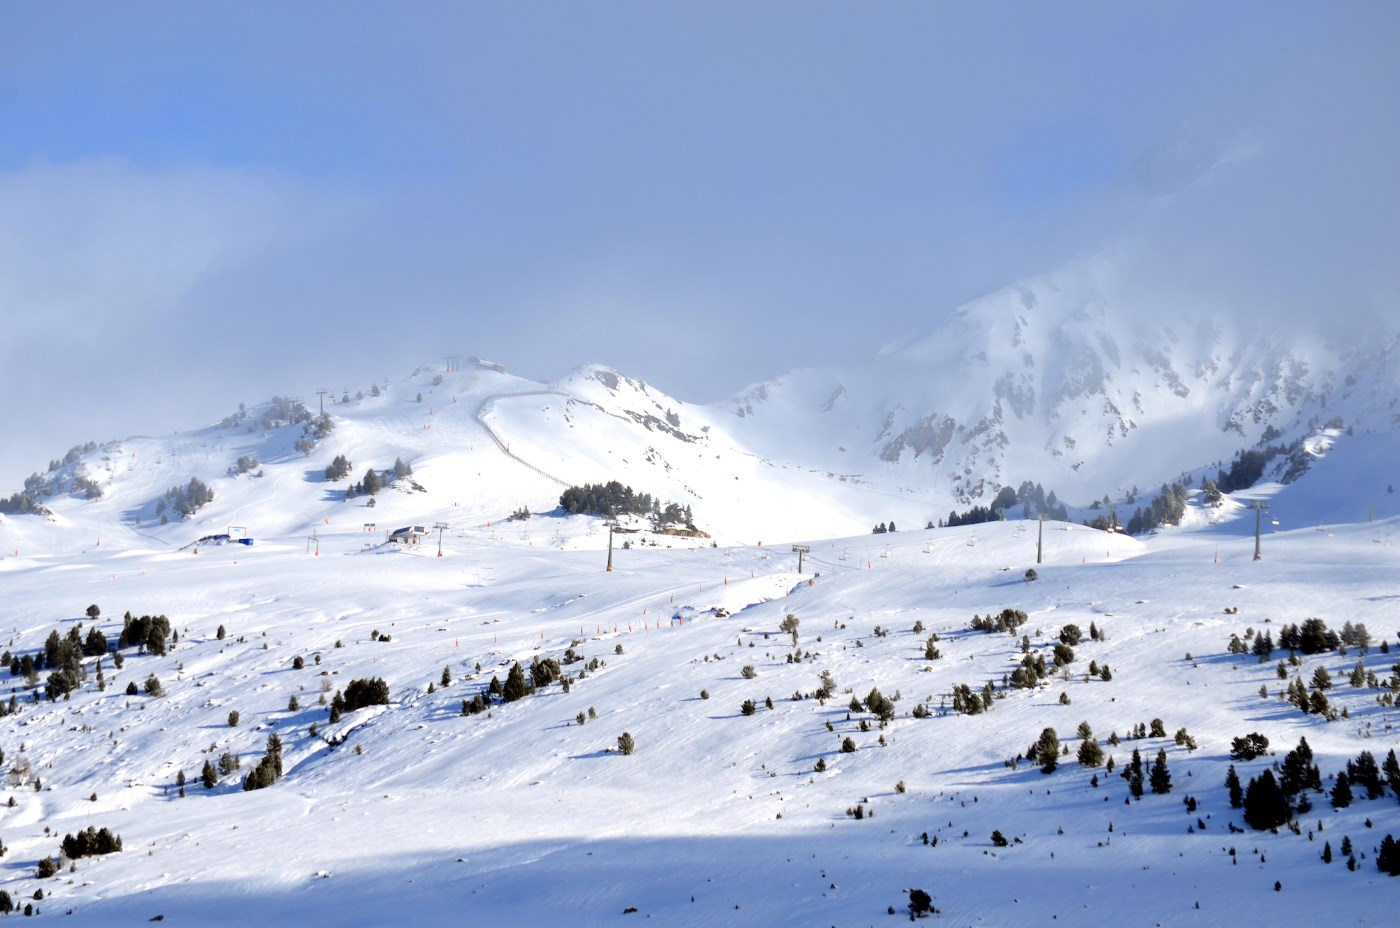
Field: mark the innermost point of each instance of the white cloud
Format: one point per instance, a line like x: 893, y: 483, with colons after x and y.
x: 108, y: 276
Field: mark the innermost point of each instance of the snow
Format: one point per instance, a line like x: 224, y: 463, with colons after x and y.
x: 424, y: 816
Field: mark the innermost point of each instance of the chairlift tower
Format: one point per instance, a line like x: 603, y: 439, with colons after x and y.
x: 800, y: 550
x: 1040, y: 539
x: 321, y: 393
x: 611, y: 526
x: 440, y: 526
x: 1258, y: 508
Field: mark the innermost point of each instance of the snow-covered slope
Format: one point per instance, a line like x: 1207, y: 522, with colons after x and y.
x: 1080, y: 380
x: 414, y: 813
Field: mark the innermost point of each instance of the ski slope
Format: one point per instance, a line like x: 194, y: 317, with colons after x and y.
x: 413, y: 812
x: 423, y: 815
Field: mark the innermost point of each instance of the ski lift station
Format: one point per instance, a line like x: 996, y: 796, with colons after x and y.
x: 408, y: 535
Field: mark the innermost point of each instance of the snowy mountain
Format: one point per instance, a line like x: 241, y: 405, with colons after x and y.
x: 808, y: 745
x: 1082, y: 381
x: 1079, y: 381
x: 763, y: 787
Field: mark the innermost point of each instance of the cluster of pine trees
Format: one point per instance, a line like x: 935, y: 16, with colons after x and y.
x: 37, y: 488
x: 1166, y: 509
x: 338, y: 468
x: 269, y: 769
x: 283, y: 410
x: 1033, y: 499
x: 186, y: 500
x: 145, y: 633
x: 521, y: 683
x: 90, y: 842
x: 613, y: 499
x: 358, y: 694
x: 315, y: 429
x: 1314, y: 637
x: 374, y: 480
x: 21, y: 504
x: 1246, y: 469
x: 1008, y: 620
x: 1270, y: 801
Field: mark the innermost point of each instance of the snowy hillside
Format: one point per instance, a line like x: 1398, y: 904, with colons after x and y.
x: 527, y: 810
x: 413, y: 812
x: 1079, y: 379
x: 808, y: 746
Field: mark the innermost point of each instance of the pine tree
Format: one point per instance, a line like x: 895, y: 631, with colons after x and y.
x: 516, y: 686
x: 1232, y: 784
x: 1298, y: 772
x: 1047, y: 751
x: 625, y: 744
x: 1090, y: 753
x: 1160, y: 777
x: 208, y: 775
x: 372, y: 483
x: 1391, y: 769
x: 1341, y: 792
x: 1388, y: 856
x: 1134, y: 774
x: 1364, y: 773
x: 1265, y: 805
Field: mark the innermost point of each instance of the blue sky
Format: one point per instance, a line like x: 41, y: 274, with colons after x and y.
x: 202, y: 204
